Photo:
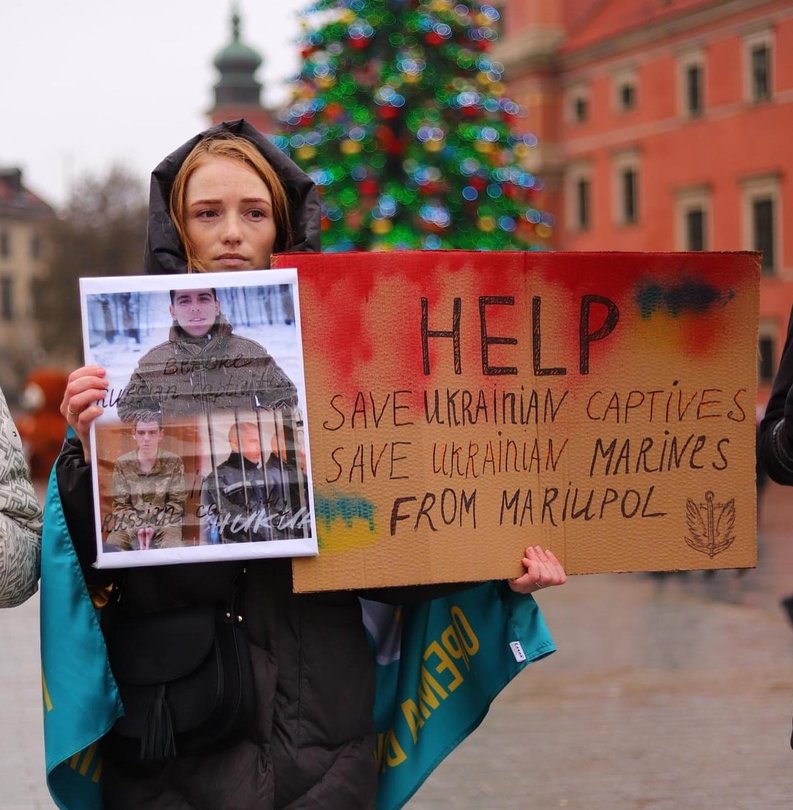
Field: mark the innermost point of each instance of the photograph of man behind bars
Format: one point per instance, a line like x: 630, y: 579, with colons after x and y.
x: 216, y: 370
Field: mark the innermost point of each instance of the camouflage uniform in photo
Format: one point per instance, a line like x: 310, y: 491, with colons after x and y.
x: 156, y: 498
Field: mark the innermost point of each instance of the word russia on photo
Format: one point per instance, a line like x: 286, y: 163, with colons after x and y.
x: 202, y: 450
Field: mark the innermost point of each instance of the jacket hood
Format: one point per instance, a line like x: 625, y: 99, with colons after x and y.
x: 163, y: 251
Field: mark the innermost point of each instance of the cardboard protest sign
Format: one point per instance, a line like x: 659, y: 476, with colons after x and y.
x: 466, y: 405
x: 201, y: 451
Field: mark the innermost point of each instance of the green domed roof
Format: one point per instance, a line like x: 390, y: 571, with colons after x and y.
x: 237, y: 57
x: 237, y: 64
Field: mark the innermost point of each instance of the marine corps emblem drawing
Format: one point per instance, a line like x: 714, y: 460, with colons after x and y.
x: 711, y: 525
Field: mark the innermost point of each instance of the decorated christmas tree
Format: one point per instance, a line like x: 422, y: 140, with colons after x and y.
x: 400, y: 116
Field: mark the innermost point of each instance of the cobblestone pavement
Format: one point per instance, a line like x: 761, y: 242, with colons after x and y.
x: 670, y: 693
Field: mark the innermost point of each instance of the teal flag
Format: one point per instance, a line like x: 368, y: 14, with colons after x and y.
x: 81, y: 701
x: 440, y: 664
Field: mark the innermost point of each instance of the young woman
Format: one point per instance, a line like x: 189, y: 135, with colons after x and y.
x: 227, y: 200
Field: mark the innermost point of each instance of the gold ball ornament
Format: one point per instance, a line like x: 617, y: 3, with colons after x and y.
x: 381, y: 226
x: 350, y: 147
x: 305, y: 152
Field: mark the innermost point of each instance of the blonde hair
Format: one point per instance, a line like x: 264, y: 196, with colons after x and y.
x: 237, y: 148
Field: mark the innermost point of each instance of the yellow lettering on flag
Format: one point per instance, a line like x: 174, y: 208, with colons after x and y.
x: 389, y: 752
x: 45, y: 693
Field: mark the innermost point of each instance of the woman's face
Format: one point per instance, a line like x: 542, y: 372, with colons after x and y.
x: 229, y: 216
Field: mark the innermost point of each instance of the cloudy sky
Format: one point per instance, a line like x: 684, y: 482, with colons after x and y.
x: 91, y: 83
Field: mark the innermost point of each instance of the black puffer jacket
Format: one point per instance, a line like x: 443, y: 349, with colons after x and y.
x: 774, y: 448
x: 312, y: 743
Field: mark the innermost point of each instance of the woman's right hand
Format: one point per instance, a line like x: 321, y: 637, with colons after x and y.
x: 79, y: 407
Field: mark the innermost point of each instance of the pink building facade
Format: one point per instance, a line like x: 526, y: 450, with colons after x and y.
x: 664, y: 125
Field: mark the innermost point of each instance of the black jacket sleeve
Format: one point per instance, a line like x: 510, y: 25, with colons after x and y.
x: 74, y: 486
x: 774, y: 449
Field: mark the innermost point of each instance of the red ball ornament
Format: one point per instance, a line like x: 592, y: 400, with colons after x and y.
x: 360, y: 43
x: 389, y: 112
x: 334, y: 111
x: 368, y: 187
x: 385, y: 135
x: 433, y: 39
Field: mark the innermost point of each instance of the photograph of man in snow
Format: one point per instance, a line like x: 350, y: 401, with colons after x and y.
x: 202, y: 366
x: 250, y: 497
x: 148, y: 491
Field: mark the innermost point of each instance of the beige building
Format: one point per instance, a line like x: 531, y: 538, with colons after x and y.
x: 24, y: 221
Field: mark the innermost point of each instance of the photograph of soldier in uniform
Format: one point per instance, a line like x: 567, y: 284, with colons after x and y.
x: 148, y: 492
x: 254, y: 495
x: 204, y: 364
x: 195, y: 356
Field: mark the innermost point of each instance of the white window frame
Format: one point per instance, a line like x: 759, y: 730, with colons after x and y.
x: 757, y: 188
x: 750, y: 42
x: 696, y: 198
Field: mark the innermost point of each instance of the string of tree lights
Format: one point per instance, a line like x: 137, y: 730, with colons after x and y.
x: 400, y: 116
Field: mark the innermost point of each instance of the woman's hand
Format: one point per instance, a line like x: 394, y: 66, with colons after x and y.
x: 85, y: 387
x: 542, y: 571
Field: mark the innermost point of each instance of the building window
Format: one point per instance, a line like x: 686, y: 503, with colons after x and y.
x: 765, y: 359
x: 694, y: 90
x: 6, y: 298
x: 691, y: 84
x: 35, y: 247
x: 630, y: 208
x: 761, y: 217
x: 695, y: 229
x: 628, y: 96
x: 625, y: 91
x: 582, y: 203
x: 578, y: 105
x: 758, y: 68
x: 5, y: 245
x: 763, y: 229
x: 761, y: 73
x: 626, y: 188
x: 693, y: 217
x: 578, y: 197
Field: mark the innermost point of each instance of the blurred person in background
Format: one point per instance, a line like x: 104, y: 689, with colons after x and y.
x: 20, y: 518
